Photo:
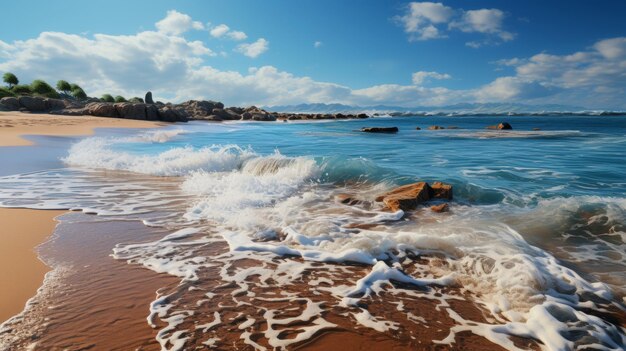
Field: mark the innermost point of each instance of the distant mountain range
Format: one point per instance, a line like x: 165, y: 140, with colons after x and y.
x: 457, y: 109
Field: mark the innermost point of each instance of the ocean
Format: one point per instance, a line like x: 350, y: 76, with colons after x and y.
x: 535, y: 234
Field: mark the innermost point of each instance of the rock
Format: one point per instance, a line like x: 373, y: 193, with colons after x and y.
x: 131, y: 110
x: 10, y: 103
x: 440, y: 190
x: 536, y: 129
x: 70, y: 112
x: 55, y: 104
x: 452, y: 127
x: 33, y: 104
x: 263, y: 117
x: 246, y: 116
x: 148, y: 98
x: 362, y: 116
x: 406, y: 197
x: 504, y: 126
x: 152, y: 112
x: 169, y: 113
x: 197, y: 109
x: 436, y: 128
x: 501, y: 126
x: 440, y: 208
x: 226, y: 114
x: 101, y: 109
x: 347, y: 199
x: 418, y: 128
x: 379, y: 129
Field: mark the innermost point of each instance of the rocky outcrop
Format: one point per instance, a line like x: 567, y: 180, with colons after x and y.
x: 10, y: 103
x: 408, y: 197
x: 148, y: 98
x: 379, y: 129
x: 129, y: 110
x: 436, y: 128
x: 31, y: 104
x: 501, y: 126
x: 101, y: 109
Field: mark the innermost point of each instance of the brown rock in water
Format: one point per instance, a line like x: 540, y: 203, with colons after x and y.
x: 347, y: 199
x: 406, y: 197
x: 379, y: 129
x: 436, y: 128
x: 440, y: 208
x: 501, y: 126
x: 440, y: 190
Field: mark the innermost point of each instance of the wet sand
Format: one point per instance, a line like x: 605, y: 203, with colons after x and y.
x: 13, y: 125
x: 22, y: 272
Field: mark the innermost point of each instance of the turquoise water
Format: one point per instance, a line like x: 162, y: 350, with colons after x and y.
x: 536, y: 229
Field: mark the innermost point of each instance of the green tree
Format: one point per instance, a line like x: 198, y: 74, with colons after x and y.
x: 64, y: 86
x: 42, y: 88
x: 10, y: 79
x: 107, y: 98
x: 79, y: 93
x: 22, y: 90
x: 4, y: 92
x: 136, y: 100
x: 120, y: 98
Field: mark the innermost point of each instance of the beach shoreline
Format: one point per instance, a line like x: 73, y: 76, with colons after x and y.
x: 23, y: 230
x: 15, y: 125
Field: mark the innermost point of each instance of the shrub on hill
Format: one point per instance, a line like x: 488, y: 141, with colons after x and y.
x: 4, y: 92
x: 107, y: 98
x: 22, y: 89
x: 64, y: 87
x: 79, y: 93
x: 42, y: 88
x: 136, y: 100
x: 120, y: 98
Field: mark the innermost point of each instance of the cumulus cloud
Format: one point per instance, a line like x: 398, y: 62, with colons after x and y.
x: 421, y: 17
x: 177, y: 69
x: 420, y: 77
x: 223, y: 30
x: 254, y: 49
x: 177, y: 23
x: 430, y: 20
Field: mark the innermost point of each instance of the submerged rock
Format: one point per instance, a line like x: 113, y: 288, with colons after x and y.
x: 441, y: 191
x: 440, y: 208
x: 436, y: 128
x: 379, y: 129
x: 501, y: 126
x: 418, y: 128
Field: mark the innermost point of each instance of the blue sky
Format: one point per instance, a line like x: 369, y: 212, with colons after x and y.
x: 355, y: 52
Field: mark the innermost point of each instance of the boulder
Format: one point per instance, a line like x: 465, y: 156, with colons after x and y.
x: 10, y: 103
x: 55, y: 104
x: 152, y: 112
x: 452, y: 127
x: 536, y: 129
x: 436, y: 128
x: 33, y: 104
x: 418, y: 128
x: 131, y: 110
x: 169, y: 113
x: 246, y: 116
x: 148, y: 98
x: 379, y: 129
x: 101, y: 109
x: 362, y: 115
x: 440, y: 190
x: 70, y: 112
x: 266, y: 117
x: 440, y: 208
x: 406, y: 197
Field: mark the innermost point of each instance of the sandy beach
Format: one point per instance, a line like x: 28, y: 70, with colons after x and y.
x: 14, y: 125
x: 22, y: 231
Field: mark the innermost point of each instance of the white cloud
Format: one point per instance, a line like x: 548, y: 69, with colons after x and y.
x: 420, y: 77
x: 219, y: 30
x: 177, y: 23
x: 223, y: 30
x: 426, y: 20
x: 421, y: 17
x: 317, y: 44
x: 253, y: 49
x: 177, y: 69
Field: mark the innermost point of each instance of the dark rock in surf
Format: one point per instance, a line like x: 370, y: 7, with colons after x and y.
x: 501, y: 126
x: 418, y: 128
x: 406, y: 197
x: 436, y: 128
x: 440, y: 190
x: 379, y: 129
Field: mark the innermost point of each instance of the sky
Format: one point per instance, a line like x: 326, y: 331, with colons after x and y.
x: 364, y: 53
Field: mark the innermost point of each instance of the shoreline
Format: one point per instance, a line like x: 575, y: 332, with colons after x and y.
x: 24, y: 230
x: 15, y: 125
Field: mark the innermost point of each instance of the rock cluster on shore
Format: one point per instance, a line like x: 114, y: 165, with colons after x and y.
x: 408, y: 197
x: 148, y: 110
